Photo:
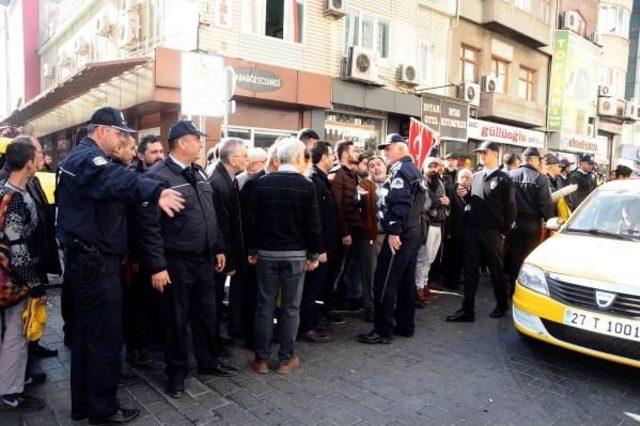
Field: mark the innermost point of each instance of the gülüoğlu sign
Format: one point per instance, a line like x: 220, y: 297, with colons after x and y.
x: 257, y: 80
x: 501, y: 133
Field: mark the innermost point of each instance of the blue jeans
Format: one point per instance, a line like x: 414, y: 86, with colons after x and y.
x: 286, y: 277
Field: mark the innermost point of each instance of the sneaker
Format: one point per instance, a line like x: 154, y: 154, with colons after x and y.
x: 288, y: 366
x: 335, y: 318
x: 23, y: 402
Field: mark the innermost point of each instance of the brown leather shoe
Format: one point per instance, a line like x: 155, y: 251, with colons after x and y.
x: 259, y: 366
x: 289, y: 366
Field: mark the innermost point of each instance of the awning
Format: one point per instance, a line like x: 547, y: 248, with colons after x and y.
x: 92, y: 75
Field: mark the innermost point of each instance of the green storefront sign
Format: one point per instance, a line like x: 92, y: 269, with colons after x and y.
x: 573, y: 88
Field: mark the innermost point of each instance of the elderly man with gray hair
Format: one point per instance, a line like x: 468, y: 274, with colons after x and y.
x: 256, y: 160
x: 285, y: 241
x: 226, y: 198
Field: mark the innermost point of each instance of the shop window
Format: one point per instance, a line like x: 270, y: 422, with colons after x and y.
x: 283, y: 19
x: 526, y: 79
x: 259, y: 138
x: 469, y: 63
x: 368, y: 31
x: 365, y: 132
x: 500, y: 68
x: 613, y: 19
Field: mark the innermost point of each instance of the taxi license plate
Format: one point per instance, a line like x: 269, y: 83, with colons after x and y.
x: 603, y: 324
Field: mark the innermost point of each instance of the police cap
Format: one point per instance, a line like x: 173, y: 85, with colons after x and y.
x: 182, y: 128
x: 586, y: 158
x: 111, y: 117
x: 564, y: 163
x: 391, y: 138
x: 488, y: 146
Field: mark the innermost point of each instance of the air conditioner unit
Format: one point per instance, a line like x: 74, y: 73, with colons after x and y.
x: 104, y: 26
x: 490, y: 83
x: 335, y: 8
x: 631, y: 110
x: 362, y: 65
x: 65, y: 60
x: 82, y: 47
x: 572, y: 21
x: 596, y: 38
x: 607, y: 107
x: 605, y: 91
x: 591, y: 130
x: 470, y: 92
x: 129, y: 29
x: 408, y: 74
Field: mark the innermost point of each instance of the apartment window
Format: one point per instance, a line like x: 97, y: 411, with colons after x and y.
x: 368, y: 31
x: 526, y: 79
x: 536, y: 8
x: 500, y: 68
x: 423, y: 61
x: 524, y: 5
x: 469, y: 63
x: 614, y: 20
x: 283, y: 19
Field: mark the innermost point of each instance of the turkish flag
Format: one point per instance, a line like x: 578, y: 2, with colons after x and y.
x: 421, y: 140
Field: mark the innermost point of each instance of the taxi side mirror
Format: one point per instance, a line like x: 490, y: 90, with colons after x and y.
x: 554, y: 224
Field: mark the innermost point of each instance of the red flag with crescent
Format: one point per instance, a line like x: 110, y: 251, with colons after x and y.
x: 421, y: 140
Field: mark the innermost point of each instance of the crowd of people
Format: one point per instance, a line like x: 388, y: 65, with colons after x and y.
x: 256, y: 247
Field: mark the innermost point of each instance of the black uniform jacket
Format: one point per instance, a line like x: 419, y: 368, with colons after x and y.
x: 492, y: 201
x: 533, y: 198
x: 192, y: 232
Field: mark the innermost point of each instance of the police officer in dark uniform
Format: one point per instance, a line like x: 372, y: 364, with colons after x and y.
x: 92, y: 191
x: 584, y: 177
x: 533, y: 205
x: 394, y: 281
x: 183, y: 253
x: 492, y: 211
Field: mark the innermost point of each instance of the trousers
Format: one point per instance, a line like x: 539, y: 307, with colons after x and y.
x: 427, y: 254
x: 190, y: 298
x: 483, y: 245
x: 287, y: 278
x: 97, y: 337
x: 13, y: 350
x: 519, y: 244
x: 394, y: 288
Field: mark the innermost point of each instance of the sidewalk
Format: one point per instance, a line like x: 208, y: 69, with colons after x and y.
x: 447, y: 374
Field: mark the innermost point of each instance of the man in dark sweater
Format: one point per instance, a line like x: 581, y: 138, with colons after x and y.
x: 284, y: 240
x: 322, y: 158
x: 492, y: 211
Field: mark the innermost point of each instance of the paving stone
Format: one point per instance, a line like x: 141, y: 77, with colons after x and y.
x: 195, y: 387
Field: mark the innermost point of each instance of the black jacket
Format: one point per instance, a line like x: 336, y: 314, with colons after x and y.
x: 327, y: 206
x: 226, y: 200
x: 401, y: 209
x: 533, y: 198
x: 193, y: 231
x: 456, y: 222
x: 284, y: 215
x: 246, y: 196
x: 492, y: 201
x: 586, y: 184
x: 556, y: 183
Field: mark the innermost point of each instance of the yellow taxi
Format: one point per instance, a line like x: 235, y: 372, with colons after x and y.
x: 580, y: 289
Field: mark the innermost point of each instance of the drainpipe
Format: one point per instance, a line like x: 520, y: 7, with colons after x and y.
x: 451, y: 28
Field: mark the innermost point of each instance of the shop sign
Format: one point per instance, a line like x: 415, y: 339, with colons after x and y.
x: 446, y: 116
x: 257, y: 80
x: 202, y: 84
x: 573, y: 85
x: 579, y: 144
x: 488, y: 131
x: 223, y: 13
